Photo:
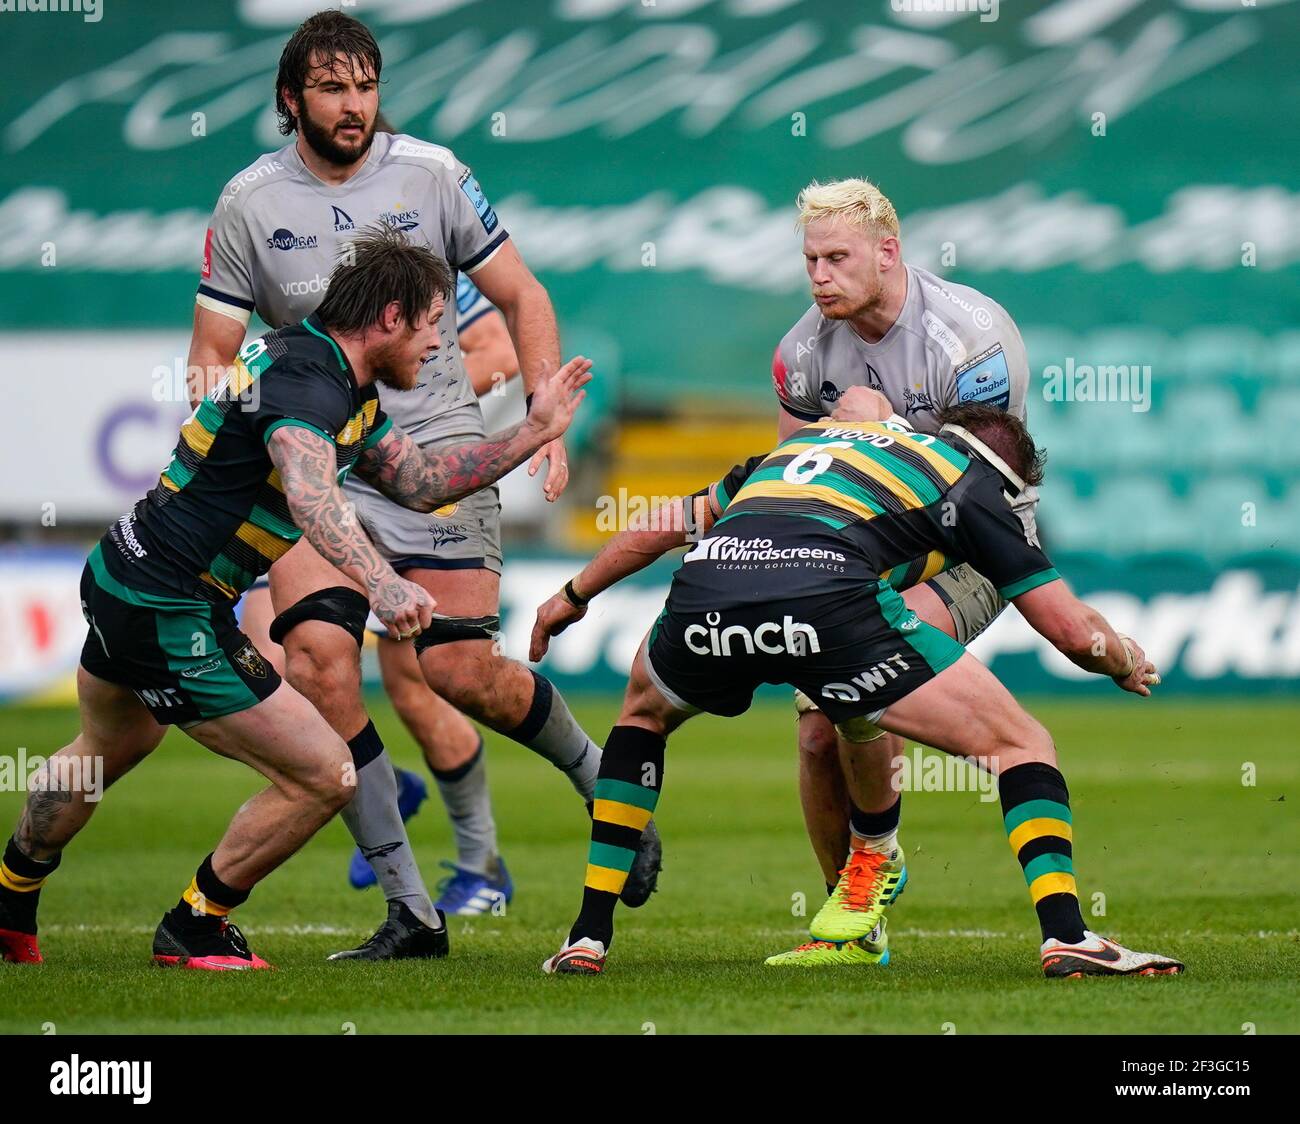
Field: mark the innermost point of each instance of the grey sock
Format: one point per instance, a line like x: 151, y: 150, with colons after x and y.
x: 464, y: 791
x: 376, y: 825
x: 551, y: 731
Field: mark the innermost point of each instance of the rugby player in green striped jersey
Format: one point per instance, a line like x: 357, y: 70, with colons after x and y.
x: 788, y: 582
x: 259, y: 465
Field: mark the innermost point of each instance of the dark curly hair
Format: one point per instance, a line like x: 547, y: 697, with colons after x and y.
x: 323, y: 37
x: 384, y: 266
x: 1002, y: 432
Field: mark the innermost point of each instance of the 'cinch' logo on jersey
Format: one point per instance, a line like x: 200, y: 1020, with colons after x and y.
x: 287, y: 240
x: 790, y: 636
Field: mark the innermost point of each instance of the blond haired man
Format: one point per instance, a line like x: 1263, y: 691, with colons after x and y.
x: 925, y: 344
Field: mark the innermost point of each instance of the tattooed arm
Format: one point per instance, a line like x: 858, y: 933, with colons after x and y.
x: 307, y: 464
x: 426, y: 479
x: 421, y: 480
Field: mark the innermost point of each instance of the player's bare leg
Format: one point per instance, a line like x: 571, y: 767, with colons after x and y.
x: 478, y: 679
x: 822, y: 793
x: 862, y: 858
x: 117, y: 733
x: 309, y: 770
x: 256, y: 614
x: 446, y: 738
x: 857, y: 771
x: 826, y: 763
x: 322, y: 661
x: 310, y: 773
x: 456, y: 669
x: 281, y: 737
x: 851, y: 807
x: 966, y: 711
x: 453, y: 749
x: 631, y: 778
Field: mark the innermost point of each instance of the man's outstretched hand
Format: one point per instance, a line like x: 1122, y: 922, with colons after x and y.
x: 553, y: 617
x: 555, y: 399
x: 1142, y: 676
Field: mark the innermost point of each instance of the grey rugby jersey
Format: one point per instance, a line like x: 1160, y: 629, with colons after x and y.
x: 949, y: 344
x: 277, y: 230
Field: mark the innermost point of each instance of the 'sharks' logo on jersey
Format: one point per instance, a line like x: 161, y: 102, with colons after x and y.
x: 399, y: 218
x: 448, y: 534
x: 342, y: 220
x: 918, y: 401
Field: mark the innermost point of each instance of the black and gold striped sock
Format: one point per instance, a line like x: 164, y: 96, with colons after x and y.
x: 1036, y: 814
x: 207, y: 900
x: 21, y: 879
x: 627, y: 790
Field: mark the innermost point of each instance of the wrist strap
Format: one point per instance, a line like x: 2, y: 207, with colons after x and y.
x: 1132, y: 659
x: 577, y: 601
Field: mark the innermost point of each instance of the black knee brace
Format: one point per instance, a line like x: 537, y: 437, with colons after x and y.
x: 446, y: 630
x: 337, y: 605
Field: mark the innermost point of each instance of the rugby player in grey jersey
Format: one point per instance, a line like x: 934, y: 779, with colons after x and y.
x: 276, y: 231
x: 453, y: 749
x: 926, y: 344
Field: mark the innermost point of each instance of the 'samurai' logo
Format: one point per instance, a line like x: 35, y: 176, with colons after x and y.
x: 284, y: 239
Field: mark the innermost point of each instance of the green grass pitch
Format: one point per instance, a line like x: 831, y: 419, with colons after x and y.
x: 1190, y: 861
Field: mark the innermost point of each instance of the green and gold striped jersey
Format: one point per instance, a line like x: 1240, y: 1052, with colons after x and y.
x: 907, y: 505
x: 218, y: 517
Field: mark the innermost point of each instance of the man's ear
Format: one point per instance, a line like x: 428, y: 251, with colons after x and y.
x: 292, y: 101
x: 888, y: 252
x: 391, y: 319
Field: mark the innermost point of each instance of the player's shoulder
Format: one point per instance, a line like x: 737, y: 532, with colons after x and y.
x: 437, y: 160
x: 958, y: 318
x: 269, y: 168
x: 298, y: 352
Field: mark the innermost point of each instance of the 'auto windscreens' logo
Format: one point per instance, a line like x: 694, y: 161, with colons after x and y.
x: 284, y: 239
x: 728, y: 549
